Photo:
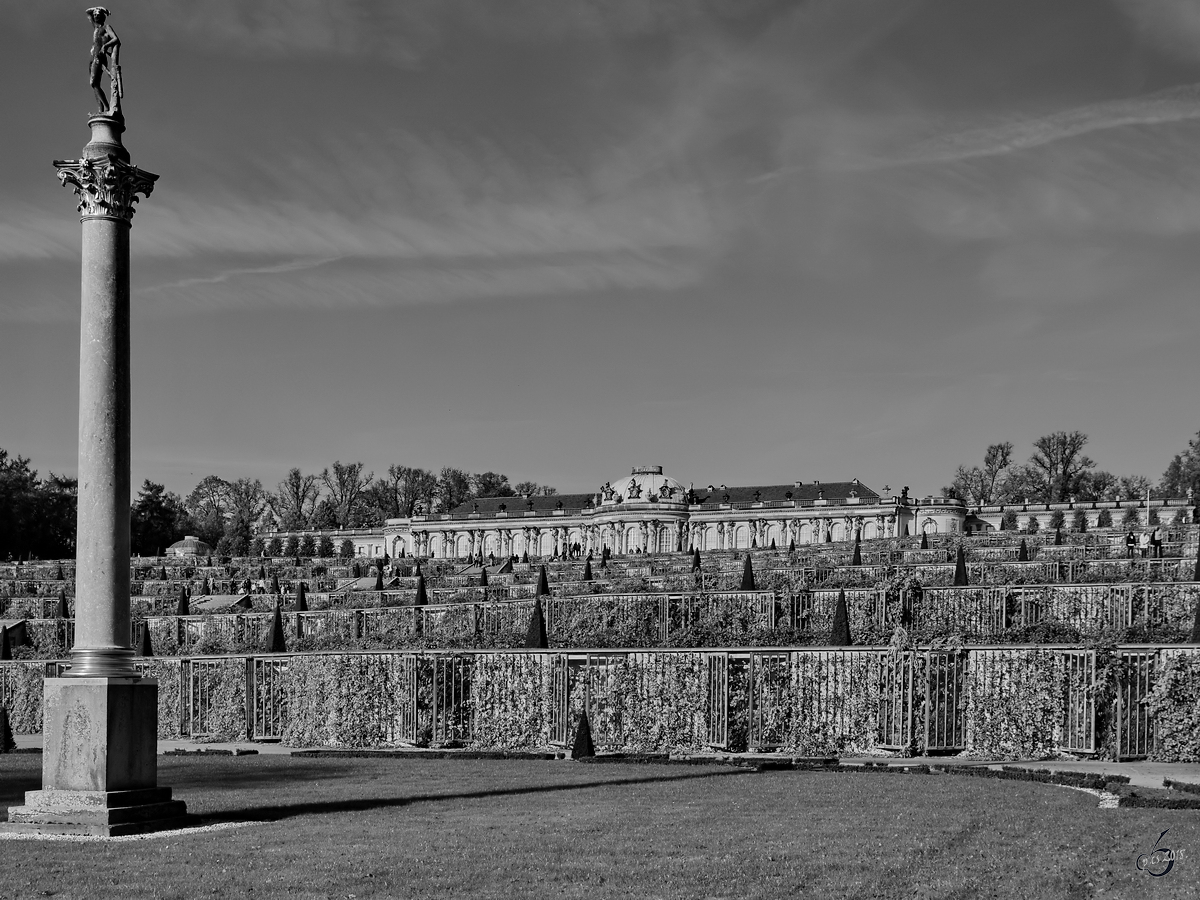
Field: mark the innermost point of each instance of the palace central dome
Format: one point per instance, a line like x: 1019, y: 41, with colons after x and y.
x: 645, y: 484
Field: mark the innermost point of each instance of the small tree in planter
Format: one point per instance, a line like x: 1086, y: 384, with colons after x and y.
x: 346, y: 550
x: 1104, y: 520
x: 256, y: 546
x: 292, y: 546
x: 1152, y: 516
x: 1079, y: 521
x: 1008, y: 522
x: 1129, y: 518
x: 1032, y: 525
x: 308, y: 546
x: 275, y: 547
x: 1058, y: 519
x: 325, y: 547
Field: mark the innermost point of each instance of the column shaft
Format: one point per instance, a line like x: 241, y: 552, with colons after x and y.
x: 102, y: 587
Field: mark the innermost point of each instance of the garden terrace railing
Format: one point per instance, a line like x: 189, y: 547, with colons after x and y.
x: 973, y: 613
x: 1006, y: 702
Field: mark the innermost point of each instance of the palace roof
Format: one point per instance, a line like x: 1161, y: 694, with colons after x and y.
x: 827, y: 490
x: 489, y: 506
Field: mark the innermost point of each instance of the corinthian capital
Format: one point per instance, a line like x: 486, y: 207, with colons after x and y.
x: 106, y: 188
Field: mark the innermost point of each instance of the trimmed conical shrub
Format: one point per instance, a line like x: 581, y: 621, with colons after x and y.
x: 905, y: 532
x: 301, y: 600
x: 1058, y: 536
x: 417, y: 571
x: 262, y: 573
x: 483, y: 577
x: 275, y: 585
x: 792, y: 545
x: 960, y: 568
x: 582, y: 746
x: 535, y: 636
x: 355, y: 571
x: 525, y: 557
x: 839, y: 635
x: 543, y: 585
x: 924, y: 541
x: 696, y: 560
x: 206, y: 588
x: 8, y: 744
x: 422, y: 597
x: 379, y: 579
x: 1196, y: 574
x: 145, y: 648
x: 5, y: 646
x: 1023, y: 551
x: 856, y: 559
x: 181, y: 608
x: 275, y: 639
x: 505, y: 569
x: 162, y: 573
x: 747, y: 576
x: 62, y: 611
x: 60, y: 575
x: 773, y: 544
x: 587, y: 569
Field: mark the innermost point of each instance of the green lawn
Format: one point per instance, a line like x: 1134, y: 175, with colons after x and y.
x: 383, y: 828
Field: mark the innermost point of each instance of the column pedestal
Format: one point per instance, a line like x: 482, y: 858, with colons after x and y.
x: 99, y: 763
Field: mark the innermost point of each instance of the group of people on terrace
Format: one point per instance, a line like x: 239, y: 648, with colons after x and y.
x: 1149, y: 543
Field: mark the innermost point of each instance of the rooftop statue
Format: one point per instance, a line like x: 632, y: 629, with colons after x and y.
x: 105, y: 57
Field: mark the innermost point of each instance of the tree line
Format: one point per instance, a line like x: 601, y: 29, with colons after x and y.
x: 1058, y: 471
x: 37, y: 516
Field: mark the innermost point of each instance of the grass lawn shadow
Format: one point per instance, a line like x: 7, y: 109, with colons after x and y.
x: 279, y: 812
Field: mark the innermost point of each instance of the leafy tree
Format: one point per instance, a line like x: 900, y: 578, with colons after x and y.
x: 56, y: 506
x: 1104, y: 520
x: 157, y: 519
x: 36, y: 517
x: 1032, y: 525
x: 257, y: 548
x: 346, y: 485
x: 1058, y: 466
x: 325, y: 546
x: 346, y: 550
x: 1183, y: 472
x: 1008, y: 521
x: 527, y: 488
x: 324, y: 518
x: 491, y: 484
x: 247, y: 503
x: 275, y: 547
x: 308, y: 545
x: 1058, y: 518
x: 208, y: 505
x: 1130, y: 517
x: 292, y: 546
x: 295, y: 500
x: 1079, y: 521
x: 454, y: 487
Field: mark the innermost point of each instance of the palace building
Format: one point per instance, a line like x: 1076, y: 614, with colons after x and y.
x: 648, y: 511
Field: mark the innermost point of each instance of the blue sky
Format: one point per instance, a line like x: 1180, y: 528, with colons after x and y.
x: 750, y: 241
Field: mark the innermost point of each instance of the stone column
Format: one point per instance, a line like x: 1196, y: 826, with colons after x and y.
x: 100, y: 723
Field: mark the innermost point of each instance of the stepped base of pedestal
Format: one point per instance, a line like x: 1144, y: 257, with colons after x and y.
x: 106, y: 813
